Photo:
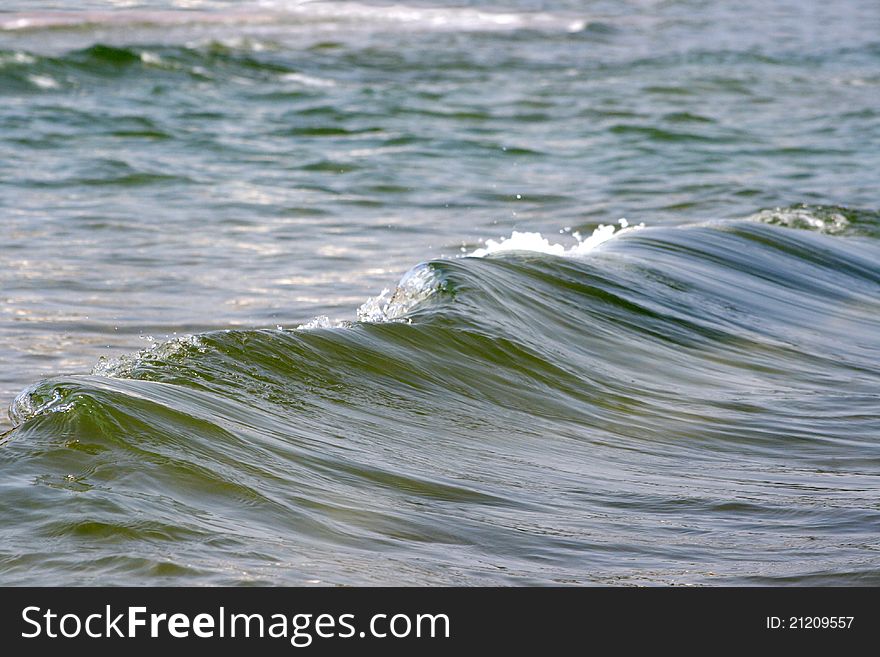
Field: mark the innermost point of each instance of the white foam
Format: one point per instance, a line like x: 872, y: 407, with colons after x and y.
x: 806, y: 218
x: 151, y: 58
x: 16, y: 58
x: 124, y: 366
x: 374, y: 308
x: 308, y: 80
x: 519, y: 242
x: 23, y: 407
x: 417, y: 285
x: 275, y: 12
x: 431, y: 18
x: 43, y: 81
x: 321, y: 322
x: 539, y: 244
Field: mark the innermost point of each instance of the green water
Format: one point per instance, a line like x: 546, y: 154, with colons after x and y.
x: 202, y: 207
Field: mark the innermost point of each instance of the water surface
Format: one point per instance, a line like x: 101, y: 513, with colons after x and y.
x: 202, y: 203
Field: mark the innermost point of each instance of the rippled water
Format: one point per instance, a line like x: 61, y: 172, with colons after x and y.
x: 342, y: 293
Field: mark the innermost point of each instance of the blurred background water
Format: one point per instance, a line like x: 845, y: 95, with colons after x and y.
x: 695, y: 401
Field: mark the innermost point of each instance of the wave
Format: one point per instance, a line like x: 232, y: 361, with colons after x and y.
x: 535, y: 404
x: 49, y: 51
x: 309, y: 14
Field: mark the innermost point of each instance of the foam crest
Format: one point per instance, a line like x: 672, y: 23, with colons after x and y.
x: 825, y: 220
x: 416, y: 286
x: 274, y: 13
x: 29, y: 404
x: 124, y: 366
x: 539, y: 244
